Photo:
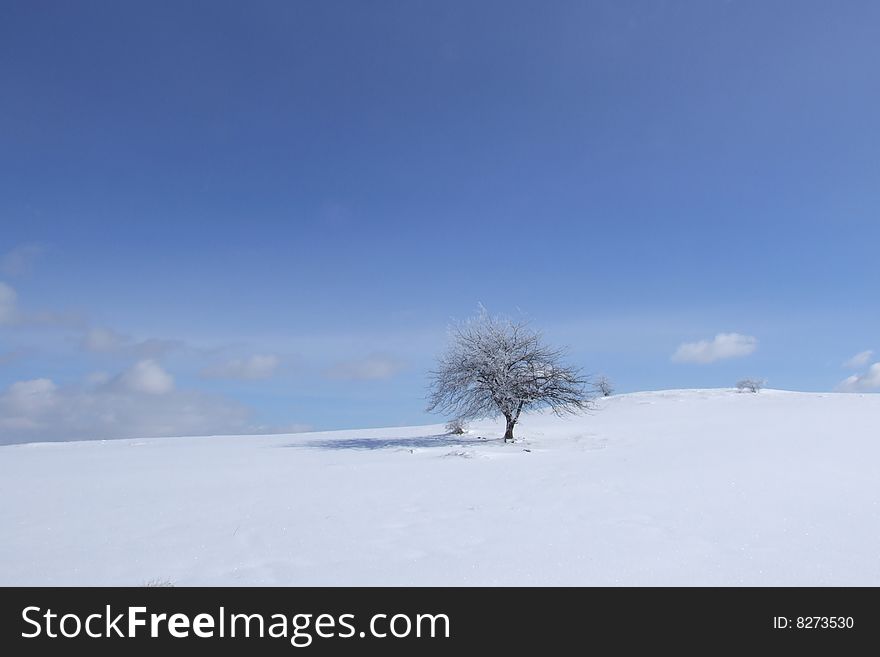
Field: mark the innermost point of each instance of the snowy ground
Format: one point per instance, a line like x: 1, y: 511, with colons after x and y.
x: 697, y: 487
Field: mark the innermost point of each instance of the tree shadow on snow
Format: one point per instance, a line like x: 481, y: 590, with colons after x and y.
x: 440, y: 440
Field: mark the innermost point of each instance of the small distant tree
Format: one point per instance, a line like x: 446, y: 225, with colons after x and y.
x: 159, y: 582
x: 457, y: 426
x: 494, y: 366
x: 750, y: 385
x: 604, y: 386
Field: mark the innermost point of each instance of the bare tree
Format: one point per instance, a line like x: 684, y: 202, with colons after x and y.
x: 752, y: 385
x: 494, y: 366
x: 604, y: 386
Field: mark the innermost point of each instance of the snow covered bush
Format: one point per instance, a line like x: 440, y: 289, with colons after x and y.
x: 604, y: 386
x: 750, y: 385
x: 494, y: 366
x: 456, y: 426
x: 159, y: 582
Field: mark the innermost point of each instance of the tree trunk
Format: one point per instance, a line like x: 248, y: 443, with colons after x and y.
x: 511, y: 422
x: 508, y: 432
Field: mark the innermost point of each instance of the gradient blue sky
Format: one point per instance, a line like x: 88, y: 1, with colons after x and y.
x: 326, y: 185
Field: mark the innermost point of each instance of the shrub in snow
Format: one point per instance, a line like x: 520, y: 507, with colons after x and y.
x: 750, y: 385
x: 494, y: 366
x: 604, y: 386
x: 456, y: 426
x: 158, y: 582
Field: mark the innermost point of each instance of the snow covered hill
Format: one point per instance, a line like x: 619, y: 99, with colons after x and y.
x: 687, y: 487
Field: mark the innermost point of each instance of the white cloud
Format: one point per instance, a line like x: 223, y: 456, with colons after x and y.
x: 21, y: 259
x: 12, y: 315
x: 145, y: 376
x: 101, y: 340
x: 40, y: 410
x: 870, y: 380
x: 97, y: 378
x: 258, y: 366
x: 722, y: 346
x: 371, y: 368
x: 858, y: 361
x: 31, y: 396
x: 106, y: 341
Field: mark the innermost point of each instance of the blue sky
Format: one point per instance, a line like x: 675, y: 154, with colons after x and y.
x: 263, y: 215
